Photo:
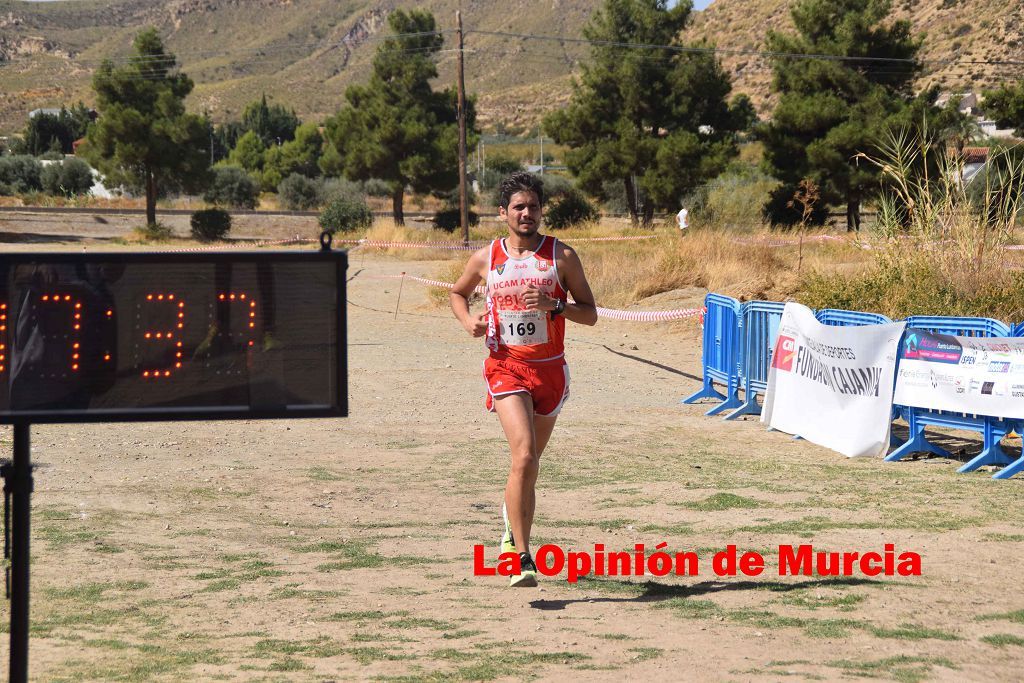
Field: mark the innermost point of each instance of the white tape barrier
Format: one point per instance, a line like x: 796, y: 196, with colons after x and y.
x: 472, y: 246
x: 610, y: 313
x: 246, y: 243
x: 380, y: 244
x: 789, y: 241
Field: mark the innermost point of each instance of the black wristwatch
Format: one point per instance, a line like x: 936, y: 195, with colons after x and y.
x: 559, y: 307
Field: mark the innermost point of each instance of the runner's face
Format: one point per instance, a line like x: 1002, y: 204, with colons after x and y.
x: 523, y: 214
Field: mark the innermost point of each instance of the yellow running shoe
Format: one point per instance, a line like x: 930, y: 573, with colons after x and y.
x: 527, y: 576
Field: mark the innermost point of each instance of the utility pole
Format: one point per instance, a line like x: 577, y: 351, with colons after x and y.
x: 463, y: 195
x: 542, y: 153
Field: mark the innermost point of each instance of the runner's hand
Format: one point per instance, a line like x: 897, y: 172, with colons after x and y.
x: 479, y: 325
x: 537, y: 300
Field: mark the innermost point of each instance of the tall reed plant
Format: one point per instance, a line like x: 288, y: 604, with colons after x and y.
x: 942, y: 237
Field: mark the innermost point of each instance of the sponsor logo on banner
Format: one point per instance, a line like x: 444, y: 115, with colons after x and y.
x: 785, y: 352
x: 999, y: 366
x: 936, y: 348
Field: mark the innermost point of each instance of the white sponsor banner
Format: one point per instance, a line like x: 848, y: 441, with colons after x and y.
x: 833, y: 385
x: 962, y: 374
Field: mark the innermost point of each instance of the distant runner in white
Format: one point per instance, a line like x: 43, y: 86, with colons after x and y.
x: 682, y: 220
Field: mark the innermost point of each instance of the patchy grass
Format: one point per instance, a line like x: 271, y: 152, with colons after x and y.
x: 322, y: 474
x: 641, y: 654
x: 489, y: 661
x: 912, y: 632
x: 1002, y: 640
x: 229, y: 579
x: 365, y: 616
x: 357, y: 555
x: 806, y: 600
x: 903, y: 668
x: 806, y: 527
x: 292, y: 591
x: 724, y: 501
x: 318, y: 647
x: 142, y: 663
x: 369, y: 655
x: 1003, y: 538
x: 1016, y: 616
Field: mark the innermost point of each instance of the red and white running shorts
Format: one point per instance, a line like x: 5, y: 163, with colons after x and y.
x: 547, y: 383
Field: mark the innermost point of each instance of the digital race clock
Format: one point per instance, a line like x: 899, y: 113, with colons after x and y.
x: 164, y: 336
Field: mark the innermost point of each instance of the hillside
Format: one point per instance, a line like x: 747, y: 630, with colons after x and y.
x: 303, y: 53
x: 958, y: 35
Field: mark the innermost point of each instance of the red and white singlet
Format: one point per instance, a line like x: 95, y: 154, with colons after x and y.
x: 513, y: 332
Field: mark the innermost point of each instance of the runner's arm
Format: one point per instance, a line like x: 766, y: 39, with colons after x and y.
x: 463, y: 288
x: 583, y: 310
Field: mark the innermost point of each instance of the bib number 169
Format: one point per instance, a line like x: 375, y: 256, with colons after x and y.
x: 522, y: 329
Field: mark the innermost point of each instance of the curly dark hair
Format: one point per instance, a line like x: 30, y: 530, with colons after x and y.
x: 520, y: 181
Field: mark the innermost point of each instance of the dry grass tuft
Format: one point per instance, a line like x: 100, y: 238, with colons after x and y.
x: 622, y: 273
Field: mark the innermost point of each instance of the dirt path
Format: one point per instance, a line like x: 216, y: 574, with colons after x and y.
x: 342, y: 549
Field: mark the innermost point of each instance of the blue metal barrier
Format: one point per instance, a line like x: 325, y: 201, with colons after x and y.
x: 837, y: 317
x: 720, y: 354
x: 993, y: 429
x: 1018, y: 426
x: 759, y: 327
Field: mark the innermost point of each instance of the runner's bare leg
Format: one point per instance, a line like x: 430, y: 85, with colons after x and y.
x: 527, y: 435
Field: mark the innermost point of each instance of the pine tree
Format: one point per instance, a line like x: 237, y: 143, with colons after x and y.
x: 396, y: 127
x: 655, y: 120
x: 143, y: 137
x: 836, y: 104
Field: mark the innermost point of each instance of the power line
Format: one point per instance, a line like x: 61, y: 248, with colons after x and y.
x: 735, y: 51
x: 714, y: 50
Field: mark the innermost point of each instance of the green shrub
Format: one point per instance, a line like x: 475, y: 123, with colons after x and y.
x: 232, y: 187
x: 343, y: 188
x: 154, y: 232
x: 375, y: 187
x: 570, y: 209
x: 68, y: 178
x: 21, y: 173
x: 299, y: 193
x: 448, y: 219
x: 556, y: 186
x: 734, y: 201
x: 210, y: 224
x: 345, y: 215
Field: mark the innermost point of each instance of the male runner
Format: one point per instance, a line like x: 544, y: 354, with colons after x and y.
x: 529, y: 277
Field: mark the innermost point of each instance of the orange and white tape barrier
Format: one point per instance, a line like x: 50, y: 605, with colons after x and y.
x: 381, y: 244
x: 472, y: 246
x: 247, y: 243
x: 610, y: 313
